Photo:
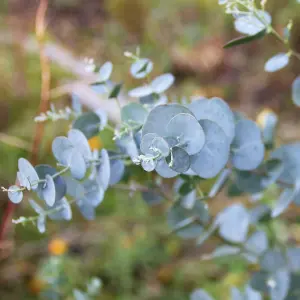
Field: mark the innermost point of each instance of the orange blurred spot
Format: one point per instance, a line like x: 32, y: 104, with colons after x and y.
x: 95, y: 143
x: 36, y: 285
x: 57, y: 246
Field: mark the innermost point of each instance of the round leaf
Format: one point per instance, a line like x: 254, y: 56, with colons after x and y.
x: 63, y: 212
x: 104, y: 170
x: 28, y: 170
x: 188, y: 132
x: 214, y: 155
x: 141, y: 91
x: 77, y: 165
x: 159, y: 118
x: 215, y: 110
x: 277, y: 62
x: 134, y: 113
x: 79, y: 141
x: 94, y: 193
x: 89, y: 123
x: 250, y: 24
x: 161, y: 83
x: 247, y: 147
x: 141, y: 68
x: 296, y: 91
x: 23, y: 180
x: 178, y: 160
x: 48, y: 190
x: 105, y: 71
x: 62, y: 149
x: 152, y: 144
x: 14, y: 194
x: 289, y: 155
x: 233, y: 223
x: 148, y: 164
x: 60, y: 185
x: 164, y: 170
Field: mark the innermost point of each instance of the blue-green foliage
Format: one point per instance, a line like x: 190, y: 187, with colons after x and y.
x: 195, y: 141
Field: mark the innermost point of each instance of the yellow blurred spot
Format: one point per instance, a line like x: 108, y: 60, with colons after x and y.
x: 57, y: 246
x: 233, y: 279
x: 127, y: 242
x: 262, y: 117
x: 36, y: 285
x: 95, y: 143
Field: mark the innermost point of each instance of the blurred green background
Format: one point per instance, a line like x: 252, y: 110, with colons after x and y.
x: 129, y: 246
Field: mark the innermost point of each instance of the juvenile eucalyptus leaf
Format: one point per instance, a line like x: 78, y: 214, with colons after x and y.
x: 200, y: 294
x: 141, y: 91
x: 251, y: 294
x: 296, y: 91
x: 148, y: 164
x: 127, y: 145
x: 141, y: 68
x: 293, y: 258
x: 233, y: 223
x: 77, y: 165
x: 62, y: 149
x: 236, y: 294
x: 134, y: 113
x: 257, y: 243
x: 285, y: 199
x: 178, y: 160
x: 289, y: 155
x: 217, y: 111
x: 250, y: 24
x: 29, y: 171
x: 272, y: 260
x: 89, y: 123
x: 277, y: 62
x: 23, y: 180
x: 104, y: 170
x: 247, y: 147
x: 219, y: 183
x: 259, y: 281
x: 160, y: 116
x: 80, y: 142
x: 86, y: 209
x: 161, y: 83
x: 279, y: 284
x: 63, y: 212
x: 94, y: 193
x: 105, y: 72
x: 15, y: 195
x: 75, y: 188
x: 225, y: 250
x: 60, y: 185
x: 115, y: 91
x: 188, y: 132
x: 117, y: 169
x: 153, y: 144
x: 215, y: 153
x: 48, y: 190
x: 163, y: 169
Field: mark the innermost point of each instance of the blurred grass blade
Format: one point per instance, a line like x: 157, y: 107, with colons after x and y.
x: 246, y: 39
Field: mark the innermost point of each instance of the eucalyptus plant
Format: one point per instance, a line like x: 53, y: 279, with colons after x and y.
x: 198, y: 141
